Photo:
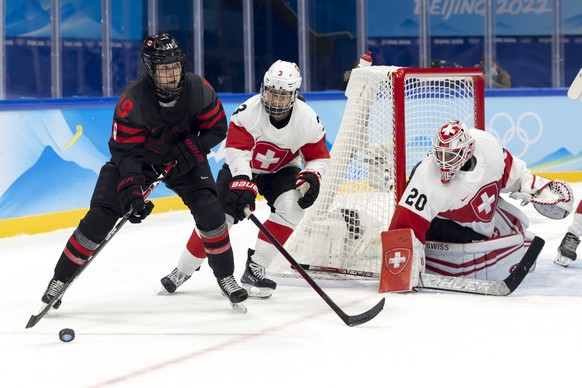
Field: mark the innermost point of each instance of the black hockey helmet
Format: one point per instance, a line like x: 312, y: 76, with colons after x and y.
x: 163, y: 49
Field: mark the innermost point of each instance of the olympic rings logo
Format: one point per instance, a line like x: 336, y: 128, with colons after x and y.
x: 516, y: 136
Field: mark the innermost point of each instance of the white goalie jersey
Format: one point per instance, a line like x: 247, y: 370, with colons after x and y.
x: 255, y: 145
x: 470, y: 199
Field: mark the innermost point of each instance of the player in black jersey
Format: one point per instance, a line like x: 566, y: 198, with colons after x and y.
x: 167, y: 115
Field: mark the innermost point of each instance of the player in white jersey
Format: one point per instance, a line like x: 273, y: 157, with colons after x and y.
x: 567, y: 249
x: 275, y: 146
x: 571, y: 240
x: 460, y: 225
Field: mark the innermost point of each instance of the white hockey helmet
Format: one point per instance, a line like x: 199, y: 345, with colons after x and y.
x: 453, y: 146
x: 280, y: 87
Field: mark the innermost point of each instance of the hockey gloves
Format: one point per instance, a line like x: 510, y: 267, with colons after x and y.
x: 243, y: 193
x: 308, y: 183
x: 189, y: 153
x: 130, y: 190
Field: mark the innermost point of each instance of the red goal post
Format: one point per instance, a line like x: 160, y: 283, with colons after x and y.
x: 389, y: 121
x: 401, y: 79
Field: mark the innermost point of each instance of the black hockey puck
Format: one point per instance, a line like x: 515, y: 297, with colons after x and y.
x: 67, y: 335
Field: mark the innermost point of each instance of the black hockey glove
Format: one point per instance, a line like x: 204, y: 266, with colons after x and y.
x: 138, y: 217
x: 310, y: 191
x: 130, y: 190
x: 189, y: 153
x: 243, y: 193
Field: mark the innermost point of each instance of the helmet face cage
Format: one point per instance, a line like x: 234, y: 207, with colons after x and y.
x: 164, y: 61
x: 280, y: 88
x: 453, y: 146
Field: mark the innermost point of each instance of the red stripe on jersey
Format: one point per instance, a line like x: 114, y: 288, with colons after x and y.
x: 211, y: 113
x: 239, y: 138
x: 128, y: 130
x: 315, y: 150
x: 82, y: 250
x: 124, y: 134
x: 404, y: 218
x: 134, y: 139
x: 280, y: 232
x: 579, y: 208
x: 210, y: 124
x: 508, y: 165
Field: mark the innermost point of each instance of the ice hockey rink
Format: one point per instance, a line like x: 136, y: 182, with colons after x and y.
x: 128, y: 336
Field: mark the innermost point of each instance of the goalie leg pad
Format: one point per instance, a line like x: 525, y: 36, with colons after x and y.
x: 492, y: 259
x: 402, y: 261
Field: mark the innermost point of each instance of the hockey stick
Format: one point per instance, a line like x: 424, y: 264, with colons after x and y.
x: 350, y: 320
x: 35, y: 318
x: 458, y: 284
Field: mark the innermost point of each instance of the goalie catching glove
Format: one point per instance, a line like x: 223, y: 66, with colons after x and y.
x: 552, y: 199
x: 130, y: 189
x: 243, y: 193
x: 308, y: 181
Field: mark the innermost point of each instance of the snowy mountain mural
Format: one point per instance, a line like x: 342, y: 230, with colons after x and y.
x: 560, y: 160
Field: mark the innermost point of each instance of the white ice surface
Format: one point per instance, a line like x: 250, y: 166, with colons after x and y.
x: 128, y: 336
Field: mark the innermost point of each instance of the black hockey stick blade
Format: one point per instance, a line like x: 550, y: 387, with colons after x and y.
x: 33, y: 320
x: 356, y: 320
x: 522, y: 269
x: 350, y: 320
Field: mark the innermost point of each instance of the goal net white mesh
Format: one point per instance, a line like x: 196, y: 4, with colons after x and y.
x: 388, y: 125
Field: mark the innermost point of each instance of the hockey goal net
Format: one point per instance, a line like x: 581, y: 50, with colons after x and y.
x: 388, y: 125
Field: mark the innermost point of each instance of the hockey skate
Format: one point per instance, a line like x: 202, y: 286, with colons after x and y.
x: 236, y: 294
x: 172, y: 281
x: 255, y: 281
x: 567, y: 250
x: 52, y: 289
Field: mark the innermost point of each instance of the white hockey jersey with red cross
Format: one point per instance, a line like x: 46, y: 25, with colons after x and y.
x: 254, y: 145
x: 469, y: 199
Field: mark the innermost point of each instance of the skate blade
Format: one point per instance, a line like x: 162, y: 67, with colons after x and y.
x: 563, y: 261
x: 258, y: 293
x: 163, y: 291
x: 259, y: 296
x: 239, y: 307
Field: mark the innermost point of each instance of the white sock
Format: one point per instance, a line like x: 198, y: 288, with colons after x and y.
x: 189, y: 263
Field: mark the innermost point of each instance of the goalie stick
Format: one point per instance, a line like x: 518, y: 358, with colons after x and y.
x: 458, y: 284
x: 350, y: 320
x: 35, y: 318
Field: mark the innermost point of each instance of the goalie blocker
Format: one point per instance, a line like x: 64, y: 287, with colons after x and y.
x: 402, y: 261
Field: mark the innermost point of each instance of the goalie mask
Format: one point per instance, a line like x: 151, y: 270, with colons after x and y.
x: 453, y: 146
x: 164, y: 61
x: 280, y: 88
